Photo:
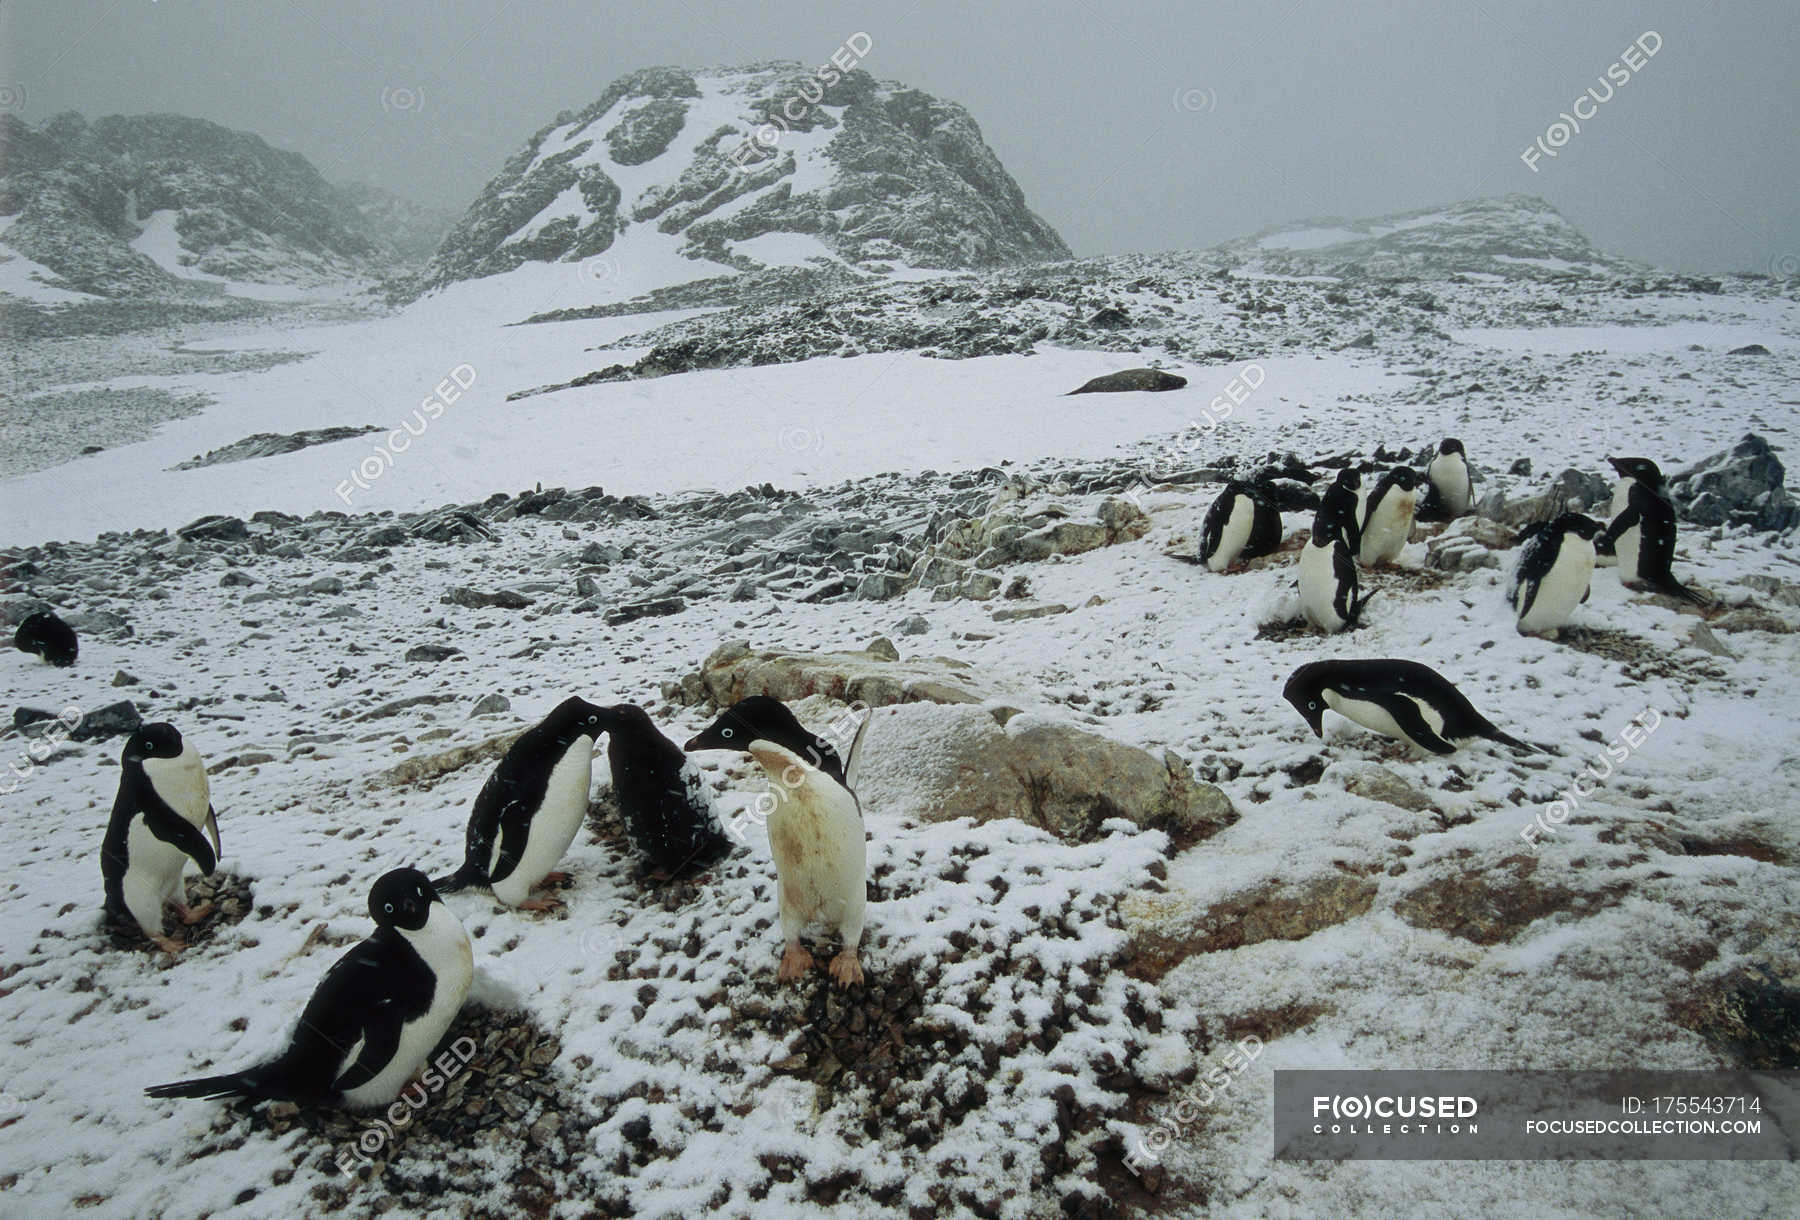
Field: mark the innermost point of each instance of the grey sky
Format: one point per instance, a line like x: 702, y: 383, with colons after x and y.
x: 1131, y: 127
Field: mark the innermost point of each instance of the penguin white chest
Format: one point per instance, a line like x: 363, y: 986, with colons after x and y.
x: 1628, y: 546
x: 1319, y: 587
x: 1235, y: 536
x: 1449, y: 474
x: 554, y: 825
x: 443, y: 945
x: 1562, y: 587
x: 181, y: 783
x: 1372, y: 715
x: 1387, y: 529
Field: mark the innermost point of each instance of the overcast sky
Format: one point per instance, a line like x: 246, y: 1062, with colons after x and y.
x: 1131, y: 127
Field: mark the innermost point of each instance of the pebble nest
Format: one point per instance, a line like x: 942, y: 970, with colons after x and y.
x: 232, y: 900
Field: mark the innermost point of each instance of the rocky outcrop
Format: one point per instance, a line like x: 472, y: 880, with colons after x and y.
x: 272, y: 444
x: 875, y: 677
x: 1743, y: 486
x: 943, y: 761
x: 1126, y: 380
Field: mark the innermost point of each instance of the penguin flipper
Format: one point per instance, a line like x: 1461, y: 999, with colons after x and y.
x: 1411, y: 720
x: 177, y: 831
x: 212, y: 828
x: 1525, y: 595
x: 853, y: 756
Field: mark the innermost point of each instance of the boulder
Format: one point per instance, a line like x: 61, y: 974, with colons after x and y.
x: 1154, y: 380
x: 939, y: 762
x: 1746, y: 485
x: 1466, y: 544
x: 475, y: 599
x: 875, y: 677
x: 215, y: 528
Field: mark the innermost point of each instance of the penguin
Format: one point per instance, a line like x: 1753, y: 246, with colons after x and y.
x: 1556, y: 562
x: 527, y: 813
x: 374, y: 1018
x: 1449, y: 490
x: 668, y: 811
x: 1631, y: 471
x: 1330, y: 593
x: 765, y: 718
x: 44, y: 635
x: 815, y: 830
x: 1241, y: 524
x: 163, y: 804
x: 1644, y: 539
x: 1387, y: 517
x: 1400, y: 699
x: 1344, y: 499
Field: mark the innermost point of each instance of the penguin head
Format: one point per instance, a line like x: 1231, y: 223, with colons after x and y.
x: 153, y: 741
x: 758, y: 718
x: 1333, y: 521
x: 1405, y: 478
x: 1579, y: 524
x: 1349, y: 477
x: 576, y: 717
x: 1451, y: 445
x: 402, y: 899
x: 1305, y: 689
x: 1643, y: 470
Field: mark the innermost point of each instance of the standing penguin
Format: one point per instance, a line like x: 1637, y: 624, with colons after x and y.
x: 1400, y: 699
x: 1241, y: 524
x: 44, y: 635
x: 375, y: 1017
x: 527, y: 813
x: 1644, y: 538
x: 1449, y: 488
x: 1331, y: 595
x: 162, y: 805
x: 1556, y: 562
x: 815, y: 832
x: 1344, y: 500
x: 667, y: 809
x: 1609, y: 549
x: 1387, y: 517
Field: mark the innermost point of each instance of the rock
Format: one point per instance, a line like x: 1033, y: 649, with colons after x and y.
x: 1744, y: 486
x: 1154, y: 380
x: 734, y: 671
x: 1466, y: 544
x: 271, y: 444
x: 1749, y: 349
x: 883, y: 648
x: 939, y: 762
x: 453, y: 525
x: 880, y: 587
x: 505, y: 599
x: 652, y: 608
x: 121, y: 678
x: 1496, y: 904
x: 916, y: 624
x: 327, y: 585
x: 432, y: 653
x: 1362, y: 341
x: 237, y: 579
x: 1702, y: 637
x: 1165, y: 930
x: 215, y: 528
x: 1015, y: 613
x: 1521, y: 467
x: 114, y: 720
x: 491, y: 705
x: 1378, y: 783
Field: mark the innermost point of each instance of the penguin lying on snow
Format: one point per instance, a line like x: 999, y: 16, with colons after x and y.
x: 1241, y: 524
x: 44, y: 635
x: 1449, y: 489
x: 162, y: 804
x: 1400, y: 699
x: 527, y: 813
x: 1643, y: 534
x: 1556, y: 563
x: 815, y: 829
x: 377, y: 1014
x: 667, y: 809
x: 1386, y: 519
x: 1331, y: 595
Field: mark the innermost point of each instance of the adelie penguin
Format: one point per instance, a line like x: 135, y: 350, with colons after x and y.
x: 1241, y: 524
x: 1449, y: 489
x: 1331, y: 594
x: 1631, y: 472
x: 1556, y: 564
x: 1344, y: 500
x: 375, y: 1017
x: 1643, y: 537
x: 1400, y: 699
x: 161, y: 819
x: 1387, y: 517
x: 44, y: 635
x: 815, y: 829
x: 528, y: 812
x: 667, y: 809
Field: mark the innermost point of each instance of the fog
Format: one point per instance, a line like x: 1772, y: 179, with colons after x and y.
x: 1165, y: 126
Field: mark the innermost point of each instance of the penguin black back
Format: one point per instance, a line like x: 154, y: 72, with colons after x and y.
x: 44, y: 635
x: 668, y: 812
x: 1337, y: 508
x: 1655, y: 518
x: 1397, y: 686
x: 764, y: 718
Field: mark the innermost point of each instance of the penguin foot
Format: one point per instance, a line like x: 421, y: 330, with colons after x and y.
x: 847, y: 970
x: 796, y: 963
x: 542, y: 904
x: 556, y: 878
x: 193, y: 915
x: 168, y: 944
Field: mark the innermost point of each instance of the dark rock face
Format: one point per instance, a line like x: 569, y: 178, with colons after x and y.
x: 1745, y: 486
x: 271, y: 444
x: 83, y: 192
x: 1132, y: 379
x: 875, y: 171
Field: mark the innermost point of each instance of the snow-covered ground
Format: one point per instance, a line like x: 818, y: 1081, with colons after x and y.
x: 1389, y: 937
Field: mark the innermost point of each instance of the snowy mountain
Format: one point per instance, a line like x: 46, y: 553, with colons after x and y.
x: 680, y: 176
x: 163, y: 205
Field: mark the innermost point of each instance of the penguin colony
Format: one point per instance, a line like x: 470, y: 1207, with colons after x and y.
x: 379, y: 1012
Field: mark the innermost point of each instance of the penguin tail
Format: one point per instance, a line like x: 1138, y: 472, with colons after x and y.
x: 1494, y: 734
x: 1355, y: 616
x: 251, y: 1083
